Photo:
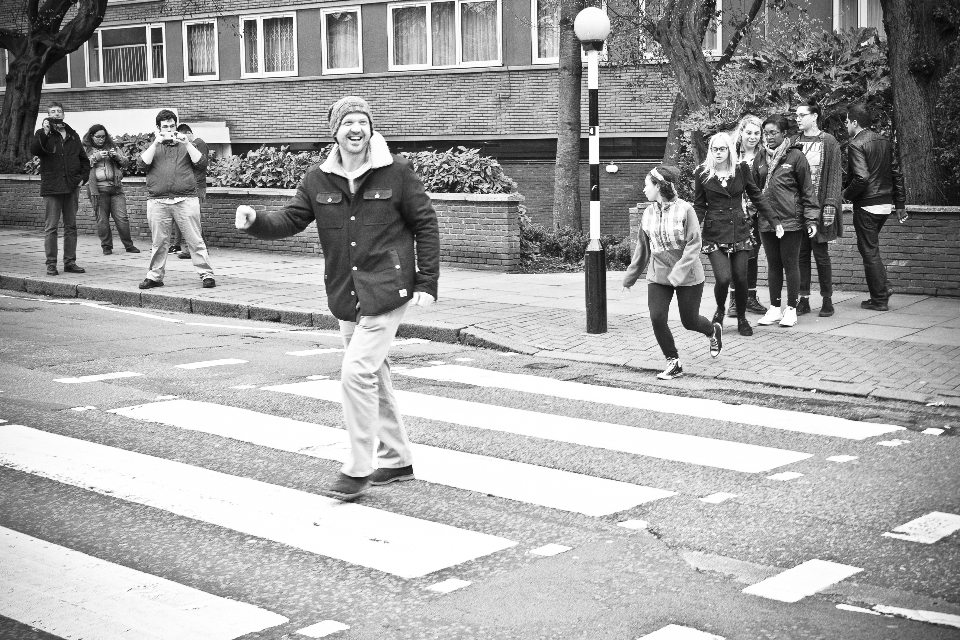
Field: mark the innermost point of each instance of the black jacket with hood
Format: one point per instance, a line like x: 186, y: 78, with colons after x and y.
x: 789, y: 192
x: 63, y: 162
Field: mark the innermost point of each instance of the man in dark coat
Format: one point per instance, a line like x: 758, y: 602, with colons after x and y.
x: 63, y: 168
x: 381, y: 250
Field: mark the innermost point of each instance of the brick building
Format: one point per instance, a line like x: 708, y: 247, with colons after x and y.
x: 438, y: 73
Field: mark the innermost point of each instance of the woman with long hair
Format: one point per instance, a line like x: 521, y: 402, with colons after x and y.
x: 105, y: 189
x: 746, y: 138
x: 720, y: 185
x: 669, y: 240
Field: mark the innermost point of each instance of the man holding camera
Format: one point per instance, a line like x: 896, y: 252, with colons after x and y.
x: 63, y: 168
x: 171, y: 162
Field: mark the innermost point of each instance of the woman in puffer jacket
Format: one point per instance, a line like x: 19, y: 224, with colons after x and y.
x: 105, y: 189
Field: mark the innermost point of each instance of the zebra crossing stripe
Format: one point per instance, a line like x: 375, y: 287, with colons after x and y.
x: 210, y: 363
x: 927, y: 529
x: 99, y: 377
x: 519, y: 481
x: 666, y: 445
x: 314, y: 352
x: 694, y: 407
x: 802, y: 580
x: 676, y: 632
x: 393, y: 543
x: 70, y: 594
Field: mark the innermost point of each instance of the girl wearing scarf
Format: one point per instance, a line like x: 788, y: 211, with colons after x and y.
x: 669, y: 240
x: 105, y: 189
x: 788, y: 187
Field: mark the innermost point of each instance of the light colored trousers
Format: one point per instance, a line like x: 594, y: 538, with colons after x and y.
x: 160, y: 217
x: 369, y: 407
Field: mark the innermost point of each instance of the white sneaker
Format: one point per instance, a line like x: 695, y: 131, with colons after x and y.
x: 674, y: 370
x: 789, y: 317
x: 772, y: 316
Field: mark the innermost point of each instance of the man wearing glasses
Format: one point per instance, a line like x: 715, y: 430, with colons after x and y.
x: 823, y: 154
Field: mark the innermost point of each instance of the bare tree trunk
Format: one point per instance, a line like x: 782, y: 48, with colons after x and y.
x: 566, y: 189
x: 920, y: 54
x: 21, y: 104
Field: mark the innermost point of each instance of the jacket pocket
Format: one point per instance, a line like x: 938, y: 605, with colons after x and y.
x: 377, y: 207
x: 329, y: 215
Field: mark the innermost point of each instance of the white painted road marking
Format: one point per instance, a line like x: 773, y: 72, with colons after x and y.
x: 785, y: 476
x: 850, y: 607
x: 73, y: 595
x: 841, y: 458
x: 449, y: 585
x: 801, y: 581
x: 665, y: 445
x: 634, y: 524
x: 676, y: 632
x: 694, y: 407
x: 896, y: 442
x: 313, y: 352
x: 389, y: 542
x: 927, y: 529
x: 550, y: 550
x: 251, y: 329
x: 933, y: 617
x: 210, y: 363
x: 484, y: 474
x: 932, y: 431
x: 98, y: 378
x: 717, y: 498
x: 323, y: 629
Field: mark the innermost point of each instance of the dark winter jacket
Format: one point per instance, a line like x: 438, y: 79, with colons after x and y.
x: 720, y: 208
x: 63, y: 162
x: 873, y: 175
x: 368, y: 237
x: 831, y: 188
x: 790, y: 192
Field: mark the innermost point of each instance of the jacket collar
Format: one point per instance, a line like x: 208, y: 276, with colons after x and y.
x: 378, y: 154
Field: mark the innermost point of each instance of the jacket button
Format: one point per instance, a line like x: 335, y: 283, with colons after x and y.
x: 353, y: 244
x: 354, y: 268
x: 352, y: 218
x: 377, y: 195
x: 397, y: 267
x: 353, y: 293
x: 329, y: 199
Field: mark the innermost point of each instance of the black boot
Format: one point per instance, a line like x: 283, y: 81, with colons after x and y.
x: 827, y: 309
x: 753, y: 305
x: 744, y: 327
x: 803, y: 306
x: 718, y: 316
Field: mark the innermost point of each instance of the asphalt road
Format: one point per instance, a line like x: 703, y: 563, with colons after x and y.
x: 209, y: 477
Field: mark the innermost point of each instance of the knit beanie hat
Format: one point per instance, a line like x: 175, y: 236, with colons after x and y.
x: 345, y: 106
x: 667, y: 173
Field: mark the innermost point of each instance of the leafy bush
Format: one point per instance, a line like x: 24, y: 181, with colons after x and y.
x: 460, y: 171
x: 948, y: 121
x: 266, y: 167
x: 567, y: 246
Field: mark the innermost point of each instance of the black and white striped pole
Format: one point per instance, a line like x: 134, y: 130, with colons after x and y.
x: 592, y: 27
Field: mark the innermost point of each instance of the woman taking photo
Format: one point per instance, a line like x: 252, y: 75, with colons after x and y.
x: 720, y: 185
x: 788, y: 187
x: 669, y: 240
x: 105, y: 188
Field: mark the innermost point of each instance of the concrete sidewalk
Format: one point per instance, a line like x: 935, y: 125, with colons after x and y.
x: 911, y: 352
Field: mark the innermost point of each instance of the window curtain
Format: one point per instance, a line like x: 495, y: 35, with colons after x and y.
x: 157, y: 59
x: 848, y: 14
x: 874, y: 17
x: 278, y: 53
x: 201, y: 49
x: 548, y: 29
x: 93, y: 55
x: 443, y: 33
x: 343, y: 40
x: 410, y: 35
x: 251, y: 62
x: 478, y: 25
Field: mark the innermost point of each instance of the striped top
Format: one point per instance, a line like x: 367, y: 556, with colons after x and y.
x: 670, y: 241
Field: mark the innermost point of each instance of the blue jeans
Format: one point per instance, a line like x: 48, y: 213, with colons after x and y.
x: 112, y: 203
x: 160, y: 217
x: 61, y: 205
x: 868, y: 226
x: 369, y: 407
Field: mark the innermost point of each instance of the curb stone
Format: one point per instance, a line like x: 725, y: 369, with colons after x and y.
x: 884, y: 393
x: 584, y: 357
x: 325, y: 321
x: 13, y: 283
x: 48, y: 288
x: 113, y: 296
x: 267, y: 314
x: 435, y: 331
x: 220, y: 309
x: 478, y: 338
x: 165, y: 302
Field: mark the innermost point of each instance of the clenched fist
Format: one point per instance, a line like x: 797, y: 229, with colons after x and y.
x: 422, y: 299
x: 245, y: 217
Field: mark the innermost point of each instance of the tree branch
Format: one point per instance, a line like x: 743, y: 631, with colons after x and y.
x: 33, y: 12
x: 12, y: 42
x: 81, y: 27
x: 740, y: 30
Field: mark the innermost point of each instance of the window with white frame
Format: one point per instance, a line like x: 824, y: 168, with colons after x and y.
x: 200, y: 59
x: 851, y: 14
x: 127, y: 55
x: 447, y: 33
x: 341, y: 40
x: 268, y: 45
x: 712, y: 42
x: 546, y: 31
x: 56, y: 77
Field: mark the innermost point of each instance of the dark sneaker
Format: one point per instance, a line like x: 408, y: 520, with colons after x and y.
x: 386, y: 476
x: 184, y: 255
x: 803, y: 306
x: 209, y: 283
x: 716, y: 340
x: 52, y: 270
x: 149, y: 284
x: 347, y: 487
x: 674, y: 370
x: 133, y: 250
x: 73, y: 268
x: 754, y: 306
x: 108, y: 252
x: 732, y: 309
x: 874, y: 305
x: 826, y: 310
x: 744, y: 328
x: 174, y: 248
x: 718, y: 316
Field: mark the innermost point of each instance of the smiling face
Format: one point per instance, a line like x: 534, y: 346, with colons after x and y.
x: 354, y: 133
x: 773, y: 136
x: 55, y: 112
x: 751, y: 137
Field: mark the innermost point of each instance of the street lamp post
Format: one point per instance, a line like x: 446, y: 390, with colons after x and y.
x: 592, y: 27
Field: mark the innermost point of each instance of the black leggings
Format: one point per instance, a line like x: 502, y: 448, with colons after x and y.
x: 726, y: 267
x: 752, y: 266
x: 783, y: 255
x: 688, y: 299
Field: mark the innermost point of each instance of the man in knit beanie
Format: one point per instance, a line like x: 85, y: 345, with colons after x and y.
x: 381, y: 252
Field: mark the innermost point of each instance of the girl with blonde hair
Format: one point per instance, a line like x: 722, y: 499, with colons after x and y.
x: 721, y: 183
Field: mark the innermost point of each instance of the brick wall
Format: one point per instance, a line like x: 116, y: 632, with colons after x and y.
x: 922, y: 256
x: 476, y: 231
